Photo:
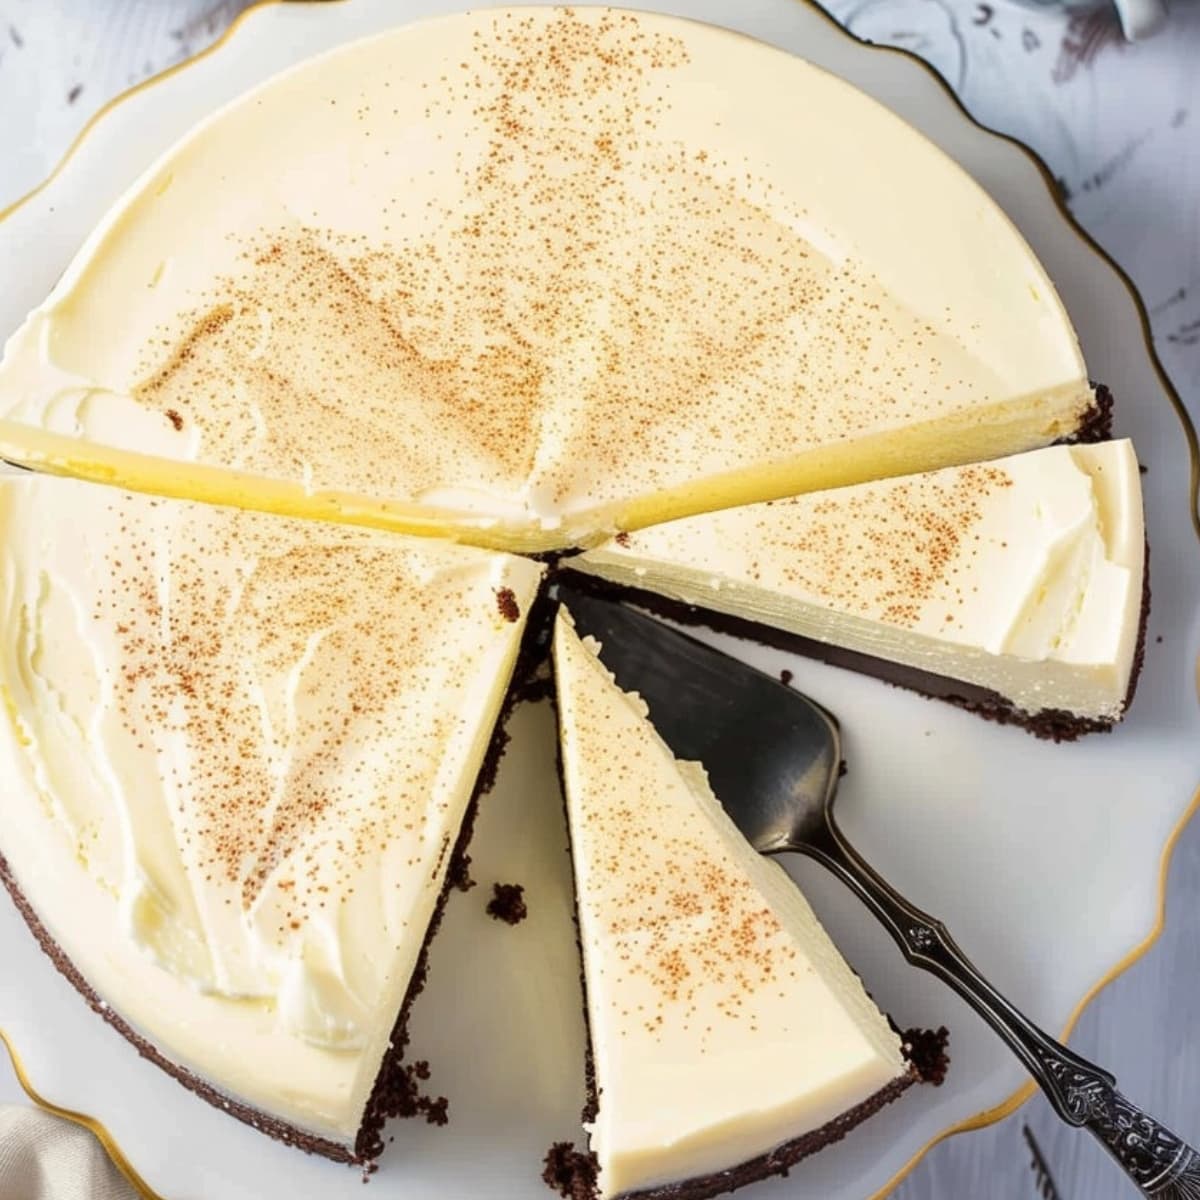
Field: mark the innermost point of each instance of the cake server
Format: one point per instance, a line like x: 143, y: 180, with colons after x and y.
x: 773, y: 758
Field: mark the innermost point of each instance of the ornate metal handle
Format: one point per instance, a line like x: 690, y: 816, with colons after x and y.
x: 1153, y: 1157
x: 1161, y: 1164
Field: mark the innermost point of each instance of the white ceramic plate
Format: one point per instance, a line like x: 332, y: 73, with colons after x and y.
x: 1046, y: 860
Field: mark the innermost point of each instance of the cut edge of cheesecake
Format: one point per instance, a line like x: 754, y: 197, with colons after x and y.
x: 705, y: 901
x: 134, y: 250
x: 1070, y: 414
x: 388, y: 1083
x: 1062, y: 562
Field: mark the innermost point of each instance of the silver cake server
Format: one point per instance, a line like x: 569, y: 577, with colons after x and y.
x: 773, y: 758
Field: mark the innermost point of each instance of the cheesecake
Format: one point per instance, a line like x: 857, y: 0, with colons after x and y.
x: 527, y: 277
x: 728, y: 1036
x: 645, y: 300
x: 240, y: 754
x: 1014, y: 587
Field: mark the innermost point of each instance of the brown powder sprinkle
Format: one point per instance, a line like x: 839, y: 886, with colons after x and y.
x: 506, y: 602
x: 582, y: 285
x: 910, y: 541
x: 173, y: 415
x: 273, y: 816
x: 678, y: 915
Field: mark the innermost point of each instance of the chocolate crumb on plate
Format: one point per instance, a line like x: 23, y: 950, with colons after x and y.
x: 570, y: 1172
x: 508, y: 903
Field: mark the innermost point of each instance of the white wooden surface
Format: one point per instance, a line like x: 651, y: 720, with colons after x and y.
x: 1120, y: 128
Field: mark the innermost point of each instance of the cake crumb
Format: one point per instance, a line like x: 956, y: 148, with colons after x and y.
x: 622, y: 538
x: 569, y: 1172
x: 786, y: 677
x: 459, y: 874
x: 506, y: 602
x: 176, y: 419
x: 926, y: 1050
x: 508, y: 903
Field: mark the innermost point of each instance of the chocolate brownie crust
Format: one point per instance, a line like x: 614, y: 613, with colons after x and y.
x: 1095, y: 425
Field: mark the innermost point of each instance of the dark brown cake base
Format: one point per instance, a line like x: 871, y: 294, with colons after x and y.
x: 1051, y: 723
x: 928, y: 1051
x: 1096, y: 423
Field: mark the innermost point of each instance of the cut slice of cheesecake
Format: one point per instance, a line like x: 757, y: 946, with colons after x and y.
x: 1015, y: 587
x: 527, y: 277
x: 238, y: 753
x: 728, y: 1037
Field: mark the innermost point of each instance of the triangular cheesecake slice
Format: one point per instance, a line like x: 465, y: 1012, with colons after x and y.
x: 529, y: 276
x: 238, y: 753
x: 1015, y: 587
x: 728, y: 1036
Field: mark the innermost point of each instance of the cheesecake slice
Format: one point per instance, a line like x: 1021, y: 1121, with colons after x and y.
x: 1015, y: 587
x: 728, y: 1037
x: 238, y: 754
x: 529, y: 276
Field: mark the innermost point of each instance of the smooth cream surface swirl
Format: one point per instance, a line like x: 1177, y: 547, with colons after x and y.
x: 258, y: 735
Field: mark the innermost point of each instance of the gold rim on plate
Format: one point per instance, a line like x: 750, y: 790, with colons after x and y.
x: 992, y: 1115
x: 97, y: 1128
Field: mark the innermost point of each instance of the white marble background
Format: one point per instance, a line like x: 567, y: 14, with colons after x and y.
x: 1119, y: 126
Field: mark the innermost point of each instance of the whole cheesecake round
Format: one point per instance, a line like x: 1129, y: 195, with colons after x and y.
x: 538, y: 280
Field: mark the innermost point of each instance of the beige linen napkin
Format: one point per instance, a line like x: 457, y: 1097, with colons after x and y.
x: 43, y: 1157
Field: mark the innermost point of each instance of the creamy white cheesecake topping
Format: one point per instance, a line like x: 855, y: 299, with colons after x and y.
x: 238, y: 750
x: 1022, y: 575
x: 533, y: 275
x: 723, y: 1021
